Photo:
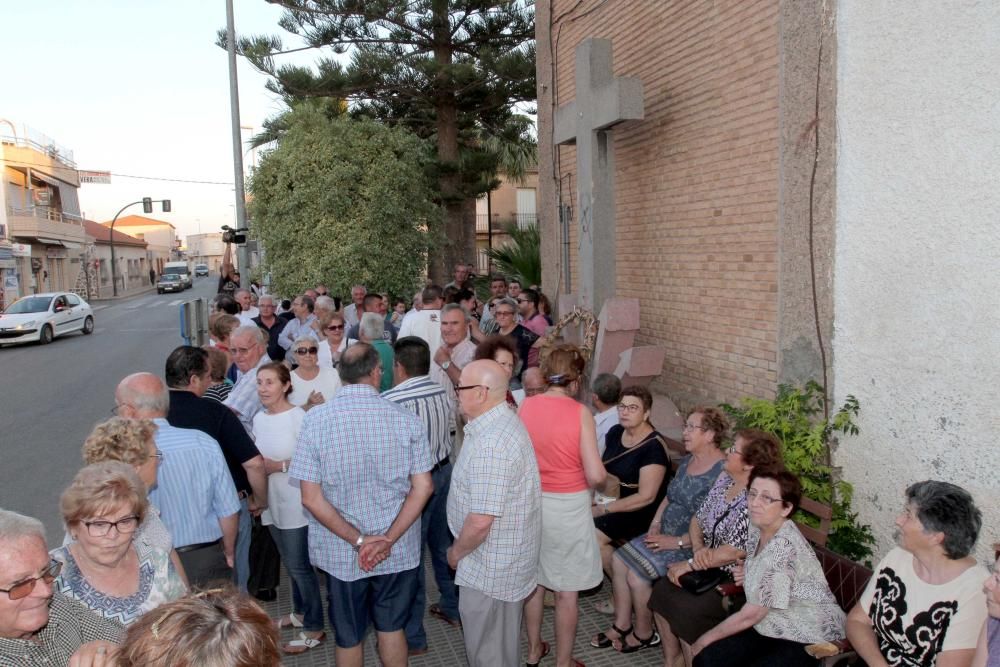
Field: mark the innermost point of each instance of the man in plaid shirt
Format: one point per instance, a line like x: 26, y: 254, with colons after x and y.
x: 494, y: 511
x: 364, y: 465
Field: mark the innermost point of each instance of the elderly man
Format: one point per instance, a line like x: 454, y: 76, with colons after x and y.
x: 416, y: 392
x: 532, y: 384
x: 39, y: 626
x: 272, y: 325
x: 494, y: 511
x: 194, y: 490
x: 353, y: 311
x: 247, y: 310
x: 364, y: 466
x: 247, y: 345
x: 301, y: 325
x: 606, y: 390
x: 187, y: 374
x: 370, y: 331
x: 461, y: 277
x: 455, y: 351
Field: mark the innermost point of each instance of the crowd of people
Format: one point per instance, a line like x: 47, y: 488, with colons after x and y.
x: 353, y: 439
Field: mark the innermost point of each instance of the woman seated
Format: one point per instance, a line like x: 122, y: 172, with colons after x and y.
x: 333, y: 328
x: 635, y: 454
x: 312, y: 384
x: 105, y: 568
x: 217, y: 628
x: 501, y: 350
x: 988, y: 648
x: 719, y: 541
x: 789, y: 605
x: 924, y: 605
x: 645, y: 559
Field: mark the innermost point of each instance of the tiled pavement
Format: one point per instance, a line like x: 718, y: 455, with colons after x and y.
x: 445, y: 642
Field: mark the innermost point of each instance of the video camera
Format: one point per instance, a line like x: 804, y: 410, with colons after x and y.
x: 230, y: 235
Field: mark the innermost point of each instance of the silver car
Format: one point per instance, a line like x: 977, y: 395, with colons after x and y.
x: 42, y: 317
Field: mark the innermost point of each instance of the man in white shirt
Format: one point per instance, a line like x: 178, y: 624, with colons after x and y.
x: 247, y: 310
x: 426, y: 323
x: 353, y: 312
x: 606, y: 392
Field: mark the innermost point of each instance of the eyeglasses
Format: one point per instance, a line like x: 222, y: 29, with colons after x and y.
x: 629, y: 407
x: 124, y: 526
x: 242, y: 350
x: 335, y: 327
x: 733, y: 450
x: 691, y: 427
x: 507, y: 313
x: 306, y: 350
x: 158, y: 455
x: 471, y: 386
x: 23, y: 589
x: 764, y: 498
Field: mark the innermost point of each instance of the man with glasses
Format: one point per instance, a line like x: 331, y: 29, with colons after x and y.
x: 39, y: 626
x: 532, y: 384
x: 301, y: 325
x: 194, y: 490
x: 272, y: 325
x: 247, y: 347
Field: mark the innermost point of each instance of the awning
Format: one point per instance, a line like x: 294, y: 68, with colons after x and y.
x: 45, y: 178
x: 48, y: 241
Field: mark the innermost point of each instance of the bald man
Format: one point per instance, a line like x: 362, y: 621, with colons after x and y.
x: 194, y: 490
x: 494, y: 511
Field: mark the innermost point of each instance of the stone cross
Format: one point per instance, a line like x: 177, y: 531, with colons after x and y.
x: 602, y: 101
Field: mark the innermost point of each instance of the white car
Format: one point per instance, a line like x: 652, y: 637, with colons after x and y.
x: 42, y: 317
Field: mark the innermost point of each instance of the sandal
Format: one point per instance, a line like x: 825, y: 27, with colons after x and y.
x: 545, y: 651
x: 303, y: 643
x: 601, y: 640
x: 648, y: 642
x: 288, y: 621
x: 438, y: 613
x: 605, y: 606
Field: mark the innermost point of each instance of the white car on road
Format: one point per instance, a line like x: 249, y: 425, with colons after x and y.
x: 42, y: 317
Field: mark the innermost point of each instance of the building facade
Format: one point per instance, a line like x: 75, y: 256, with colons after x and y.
x: 512, y: 203
x: 206, y: 249
x: 162, y: 242
x: 131, y: 260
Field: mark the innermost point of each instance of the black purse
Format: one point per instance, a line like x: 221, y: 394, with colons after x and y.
x: 698, y: 582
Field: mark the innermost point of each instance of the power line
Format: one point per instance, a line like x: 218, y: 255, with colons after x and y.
x: 145, y: 178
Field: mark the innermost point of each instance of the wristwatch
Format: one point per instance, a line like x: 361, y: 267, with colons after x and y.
x: 446, y: 365
x: 359, y: 542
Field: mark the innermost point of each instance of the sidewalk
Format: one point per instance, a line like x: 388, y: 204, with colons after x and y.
x: 445, y: 642
x: 127, y: 295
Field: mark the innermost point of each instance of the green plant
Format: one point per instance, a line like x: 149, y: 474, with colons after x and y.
x: 520, y: 258
x: 796, y: 417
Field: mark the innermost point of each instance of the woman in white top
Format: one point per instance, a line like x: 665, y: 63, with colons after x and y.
x: 312, y: 384
x: 333, y: 330
x: 276, y: 430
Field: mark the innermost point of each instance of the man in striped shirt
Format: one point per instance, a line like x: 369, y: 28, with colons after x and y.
x: 427, y: 399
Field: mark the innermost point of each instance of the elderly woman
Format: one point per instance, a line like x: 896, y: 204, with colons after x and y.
x: 370, y: 330
x: 312, y: 384
x: 635, y: 454
x: 988, y: 648
x: 333, y: 341
x: 718, y: 534
x: 39, y: 625
x: 924, y: 605
x: 564, y: 438
x: 275, y: 431
x: 505, y: 313
x: 645, y: 559
x: 501, y: 350
x: 131, y: 441
x: 105, y: 568
x: 217, y: 628
x: 789, y: 604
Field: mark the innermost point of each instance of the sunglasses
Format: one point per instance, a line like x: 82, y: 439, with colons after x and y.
x: 307, y: 350
x: 23, y: 589
x: 335, y: 327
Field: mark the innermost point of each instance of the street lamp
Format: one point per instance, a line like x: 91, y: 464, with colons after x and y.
x: 147, y: 207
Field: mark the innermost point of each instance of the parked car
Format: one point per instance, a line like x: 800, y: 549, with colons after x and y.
x: 200, y: 270
x: 42, y: 317
x: 170, y: 282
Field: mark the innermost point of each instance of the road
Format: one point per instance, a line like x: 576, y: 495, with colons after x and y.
x: 53, y: 394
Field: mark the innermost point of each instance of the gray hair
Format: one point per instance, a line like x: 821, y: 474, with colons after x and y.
x: 252, y: 331
x: 947, y: 508
x: 506, y: 301
x: 325, y: 302
x: 449, y: 307
x: 303, y: 340
x: 150, y: 396
x: 607, y: 387
x: 15, y: 527
x: 242, y: 290
x: 372, y: 326
x: 261, y: 298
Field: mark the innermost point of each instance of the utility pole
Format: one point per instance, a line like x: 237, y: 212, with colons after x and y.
x: 234, y: 103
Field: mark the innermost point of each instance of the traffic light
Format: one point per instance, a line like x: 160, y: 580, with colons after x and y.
x: 147, y: 204
x: 166, y: 205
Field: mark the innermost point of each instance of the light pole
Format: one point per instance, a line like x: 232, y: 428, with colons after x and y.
x: 147, y: 207
x: 238, y: 176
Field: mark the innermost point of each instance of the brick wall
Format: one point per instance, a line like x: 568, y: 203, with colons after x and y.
x: 696, y: 182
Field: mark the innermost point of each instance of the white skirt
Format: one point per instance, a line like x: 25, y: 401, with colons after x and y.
x: 571, y: 558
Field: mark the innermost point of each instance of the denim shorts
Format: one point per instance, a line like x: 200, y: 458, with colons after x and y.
x: 383, y: 600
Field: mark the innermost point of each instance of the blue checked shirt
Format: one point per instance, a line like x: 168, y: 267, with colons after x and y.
x: 431, y: 403
x: 193, y: 486
x: 497, y: 474
x: 295, y: 329
x: 243, y: 399
x: 361, y: 449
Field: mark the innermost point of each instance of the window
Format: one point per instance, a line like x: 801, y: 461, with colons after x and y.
x: 73, y: 299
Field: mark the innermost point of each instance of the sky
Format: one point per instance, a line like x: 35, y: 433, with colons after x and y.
x: 138, y: 88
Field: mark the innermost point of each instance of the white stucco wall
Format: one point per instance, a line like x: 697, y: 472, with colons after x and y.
x: 917, y: 264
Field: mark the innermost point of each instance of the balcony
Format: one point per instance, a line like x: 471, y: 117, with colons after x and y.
x: 501, y: 223
x: 45, y: 224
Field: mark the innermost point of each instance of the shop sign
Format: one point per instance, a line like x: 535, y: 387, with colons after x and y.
x: 20, y: 249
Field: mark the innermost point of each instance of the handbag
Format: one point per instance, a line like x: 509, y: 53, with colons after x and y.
x: 697, y: 582
x: 613, y: 483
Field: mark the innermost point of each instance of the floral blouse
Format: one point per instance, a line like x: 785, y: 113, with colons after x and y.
x: 159, y: 582
x: 786, y: 577
x: 728, y: 521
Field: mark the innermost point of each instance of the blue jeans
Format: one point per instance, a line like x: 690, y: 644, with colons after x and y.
x: 436, y: 535
x: 241, y: 559
x: 293, y: 545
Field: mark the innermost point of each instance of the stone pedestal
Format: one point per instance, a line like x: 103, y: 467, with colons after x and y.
x: 619, y: 323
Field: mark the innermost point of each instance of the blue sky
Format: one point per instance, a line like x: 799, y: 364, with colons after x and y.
x: 137, y: 87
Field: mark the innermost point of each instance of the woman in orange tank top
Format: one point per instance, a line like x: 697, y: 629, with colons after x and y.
x: 565, y: 441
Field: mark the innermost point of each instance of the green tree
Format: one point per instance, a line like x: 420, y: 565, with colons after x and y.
x: 521, y: 256
x: 344, y: 201
x: 452, y: 71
